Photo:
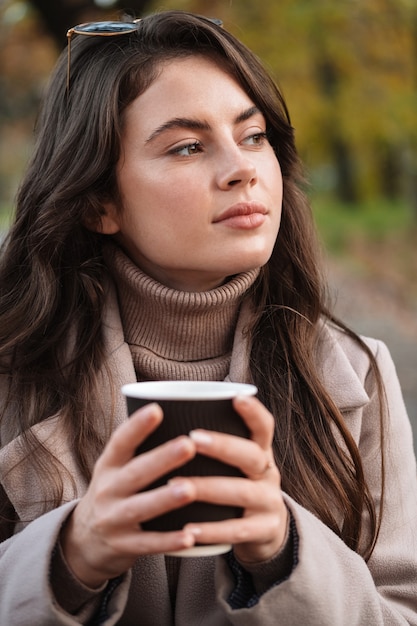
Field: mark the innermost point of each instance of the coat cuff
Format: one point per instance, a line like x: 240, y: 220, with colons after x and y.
x: 70, y: 593
x: 252, y: 581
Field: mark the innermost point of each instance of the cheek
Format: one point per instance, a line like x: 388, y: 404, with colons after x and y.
x: 159, y: 197
x: 271, y: 175
x: 276, y: 175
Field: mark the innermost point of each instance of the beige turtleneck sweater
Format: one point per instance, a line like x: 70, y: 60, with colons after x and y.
x: 176, y: 335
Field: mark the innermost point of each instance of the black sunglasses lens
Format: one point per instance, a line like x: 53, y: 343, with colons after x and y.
x: 106, y: 27
x: 216, y: 21
x: 109, y: 28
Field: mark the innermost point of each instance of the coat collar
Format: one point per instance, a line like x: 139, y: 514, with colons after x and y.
x: 341, y: 364
x: 342, y: 368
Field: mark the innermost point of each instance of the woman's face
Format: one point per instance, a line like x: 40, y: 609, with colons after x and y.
x: 200, y: 185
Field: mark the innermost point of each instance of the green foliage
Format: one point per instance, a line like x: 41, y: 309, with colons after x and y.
x: 376, y: 222
x: 375, y: 240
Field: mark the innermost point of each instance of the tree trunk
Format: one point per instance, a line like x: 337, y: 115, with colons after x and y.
x: 328, y: 79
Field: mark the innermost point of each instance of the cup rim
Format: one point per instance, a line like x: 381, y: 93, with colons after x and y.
x: 187, y: 390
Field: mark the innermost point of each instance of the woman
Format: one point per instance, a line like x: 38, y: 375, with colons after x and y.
x: 161, y: 234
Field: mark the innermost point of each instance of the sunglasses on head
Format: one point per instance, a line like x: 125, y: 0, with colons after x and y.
x: 105, y: 29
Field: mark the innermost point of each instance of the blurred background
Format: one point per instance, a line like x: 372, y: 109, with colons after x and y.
x: 348, y: 70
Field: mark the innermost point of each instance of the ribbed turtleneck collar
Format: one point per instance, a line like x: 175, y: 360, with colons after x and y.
x: 176, y: 334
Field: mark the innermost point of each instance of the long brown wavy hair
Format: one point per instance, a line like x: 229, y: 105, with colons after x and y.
x: 52, y: 274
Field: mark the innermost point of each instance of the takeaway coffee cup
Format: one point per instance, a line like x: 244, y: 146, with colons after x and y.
x: 188, y: 405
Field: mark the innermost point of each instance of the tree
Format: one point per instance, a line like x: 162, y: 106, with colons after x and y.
x: 348, y: 70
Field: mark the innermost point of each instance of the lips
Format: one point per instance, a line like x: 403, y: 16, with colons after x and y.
x: 241, y: 209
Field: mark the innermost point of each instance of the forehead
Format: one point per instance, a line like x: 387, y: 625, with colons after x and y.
x: 188, y: 86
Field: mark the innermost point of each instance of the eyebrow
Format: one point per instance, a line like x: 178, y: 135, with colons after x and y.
x: 194, y: 124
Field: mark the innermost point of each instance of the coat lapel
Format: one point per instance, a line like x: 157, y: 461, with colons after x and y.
x: 341, y: 372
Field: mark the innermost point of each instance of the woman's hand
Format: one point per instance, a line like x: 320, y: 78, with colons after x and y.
x: 102, y: 538
x: 261, y: 532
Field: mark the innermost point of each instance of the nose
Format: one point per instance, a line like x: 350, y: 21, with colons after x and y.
x: 235, y: 168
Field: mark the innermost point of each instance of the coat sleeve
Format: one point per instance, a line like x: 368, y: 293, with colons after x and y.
x: 331, y: 584
x: 26, y: 592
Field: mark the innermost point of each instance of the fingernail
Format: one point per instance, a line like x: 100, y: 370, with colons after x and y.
x: 200, y: 437
x: 242, y: 399
x: 150, y: 409
x: 179, y: 487
x: 194, y: 530
x: 183, y: 444
x: 187, y: 540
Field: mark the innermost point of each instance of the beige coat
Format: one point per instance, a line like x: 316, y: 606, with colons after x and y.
x: 330, y: 585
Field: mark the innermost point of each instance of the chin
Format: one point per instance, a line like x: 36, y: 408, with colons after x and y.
x: 250, y: 263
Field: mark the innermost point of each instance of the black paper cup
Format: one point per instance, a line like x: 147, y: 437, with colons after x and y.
x: 188, y: 405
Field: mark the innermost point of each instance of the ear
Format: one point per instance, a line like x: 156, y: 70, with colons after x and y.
x: 107, y: 223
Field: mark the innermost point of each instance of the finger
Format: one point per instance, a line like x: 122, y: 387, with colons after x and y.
x: 258, y: 419
x: 240, y: 492
x: 138, y: 542
x: 124, y: 441
x: 147, y: 467
x: 147, y: 505
x: 242, y: 453
x: 254, y: 529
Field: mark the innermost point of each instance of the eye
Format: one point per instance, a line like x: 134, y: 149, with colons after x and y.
x: 257, y: 139
x: 188, y: 149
